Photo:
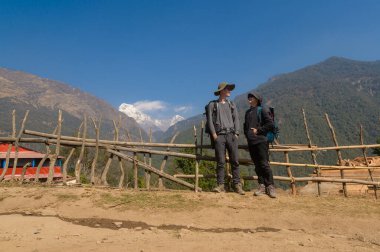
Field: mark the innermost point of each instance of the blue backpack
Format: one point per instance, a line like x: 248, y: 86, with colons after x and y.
x: 271, y: 135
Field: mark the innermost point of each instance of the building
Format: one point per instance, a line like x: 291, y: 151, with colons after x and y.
x: 26, y: 155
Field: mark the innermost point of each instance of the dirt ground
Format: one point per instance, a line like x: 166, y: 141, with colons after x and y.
x: 97, y: 219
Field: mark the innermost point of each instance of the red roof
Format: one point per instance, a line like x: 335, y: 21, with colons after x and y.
x: 23, y: 152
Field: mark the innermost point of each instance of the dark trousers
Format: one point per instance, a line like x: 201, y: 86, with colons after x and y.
x: 260, y: 156
x: 227, y: 142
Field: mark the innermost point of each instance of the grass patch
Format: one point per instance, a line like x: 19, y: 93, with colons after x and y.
x: 149, y: 200
x: 66, y: 197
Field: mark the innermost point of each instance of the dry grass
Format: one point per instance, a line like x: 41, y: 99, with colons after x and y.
x: 147, y: 200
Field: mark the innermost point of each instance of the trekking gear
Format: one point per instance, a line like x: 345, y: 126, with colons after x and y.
x: 238, y: 188
x: 214, y: 114
x: 224, y: 85
x: 273, y: 134
x: 271, y: 192
x: 219, y: 189
x: 261, y: 190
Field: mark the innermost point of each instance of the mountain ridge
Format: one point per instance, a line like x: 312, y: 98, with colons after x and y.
x: 329, y: 87
x: 40, y: 95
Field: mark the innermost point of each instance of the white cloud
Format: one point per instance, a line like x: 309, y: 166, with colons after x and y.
x: 183, y: 109
x: 150, y: 105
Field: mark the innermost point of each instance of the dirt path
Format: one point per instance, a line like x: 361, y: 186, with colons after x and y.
x: 93, y: 219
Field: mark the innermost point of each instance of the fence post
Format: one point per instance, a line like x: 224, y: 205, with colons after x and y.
x: 313, y: 155
x: 366, y: 160
x: 340, y: 159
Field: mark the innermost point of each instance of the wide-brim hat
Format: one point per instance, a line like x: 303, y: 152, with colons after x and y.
x: 224, y: 85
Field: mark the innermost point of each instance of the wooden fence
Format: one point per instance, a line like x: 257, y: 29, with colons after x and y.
x: 129, y: 150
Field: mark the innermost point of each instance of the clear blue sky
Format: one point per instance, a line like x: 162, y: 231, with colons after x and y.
x: 176, y: 52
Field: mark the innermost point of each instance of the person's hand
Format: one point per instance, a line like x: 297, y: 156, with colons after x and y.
x: 254, y: 130
x: 215, y: 136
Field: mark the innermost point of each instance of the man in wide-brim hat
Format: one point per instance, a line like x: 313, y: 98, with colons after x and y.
x: 223, y: 123
x: 222, y: 86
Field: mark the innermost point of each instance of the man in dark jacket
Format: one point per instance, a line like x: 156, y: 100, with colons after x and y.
x: 223, y: 122
x: 255, y: 129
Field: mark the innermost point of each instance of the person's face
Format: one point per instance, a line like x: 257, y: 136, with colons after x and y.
x: 225, y: 92
x: 253, y: 101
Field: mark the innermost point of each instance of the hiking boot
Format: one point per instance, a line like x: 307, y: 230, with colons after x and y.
x: 219, y: 189
x: 271, y: 192
x: 261, y: 190
x: 238, y: 189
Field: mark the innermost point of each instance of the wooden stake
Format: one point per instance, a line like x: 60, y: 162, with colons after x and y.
x: 313, y: 155
x: 340, y: 159
x: 95, y: 160
x: 135, y: 171
x: 79, y: 162
x: 152, y: 169
x: 23, y: 172
x: 148, y: 173
x: 17, y: 144
x: 54, y: 158
x: 366, y: 160
x: 162, y: 166
x: 122, y: 174
x: 5, y: 169
x: 288, y: 169
x: 196, y: 161
x: 65, y: 164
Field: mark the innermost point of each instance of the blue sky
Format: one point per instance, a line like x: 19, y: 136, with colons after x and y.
x: 168, y: 56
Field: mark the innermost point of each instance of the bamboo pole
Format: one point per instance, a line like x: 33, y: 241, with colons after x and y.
x: 366, y: 159
x: 280, y: 148
x: 324, y: 167
x: 208, y: 158
x: 54, y: 158
x: 196, y: 160
x: 96, y: 124
x: 313, y: 155
x: 23, y: 172
x: 152, y: 169
x: 65, y: 164
x: 296, y: 179
x: 288, y: 169
x: 17, y: 144
x: 79, y: 162
x: 163, y: 163
x: 340, y: 159
x: 5, y: 169
x: 121, y: 143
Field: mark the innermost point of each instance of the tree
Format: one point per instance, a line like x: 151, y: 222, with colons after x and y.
x: 187, y: 166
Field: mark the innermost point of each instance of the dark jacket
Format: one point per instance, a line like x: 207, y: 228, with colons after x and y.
x: 251, y: 120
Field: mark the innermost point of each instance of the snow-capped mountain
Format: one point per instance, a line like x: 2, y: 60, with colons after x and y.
x: 147, y: 122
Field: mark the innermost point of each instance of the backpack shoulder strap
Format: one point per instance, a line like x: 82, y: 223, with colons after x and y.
x: 259, y: 113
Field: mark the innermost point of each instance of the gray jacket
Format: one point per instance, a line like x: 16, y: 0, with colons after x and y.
x: 226, y: 117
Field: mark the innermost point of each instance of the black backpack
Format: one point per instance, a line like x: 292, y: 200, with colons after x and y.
x: 271, y: 135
